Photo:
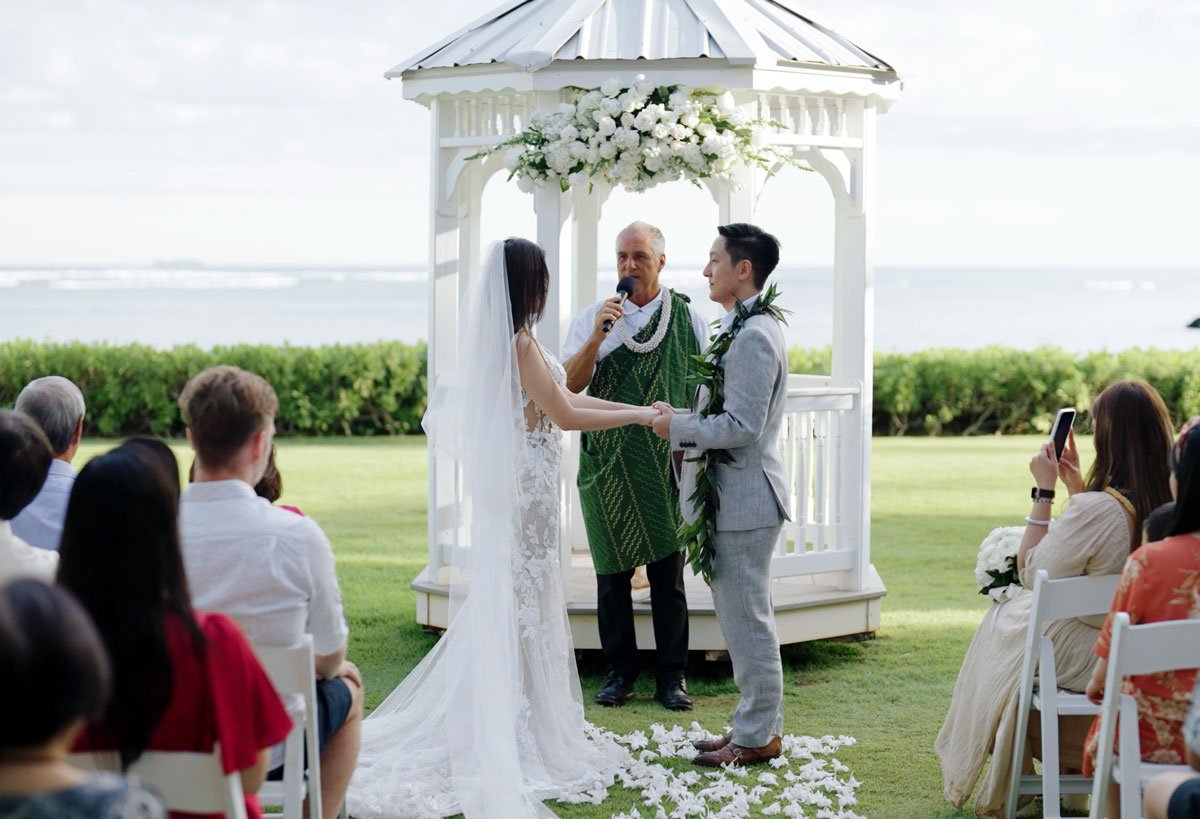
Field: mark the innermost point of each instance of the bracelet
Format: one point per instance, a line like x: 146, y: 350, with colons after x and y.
x: 1037, y: 522
x: 1037, y: 493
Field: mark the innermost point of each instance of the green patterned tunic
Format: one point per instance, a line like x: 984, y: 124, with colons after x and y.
x: 629, y: 499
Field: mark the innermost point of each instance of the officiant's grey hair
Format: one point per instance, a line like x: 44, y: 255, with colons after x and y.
x: 658, y: 242
x: 57, y: 405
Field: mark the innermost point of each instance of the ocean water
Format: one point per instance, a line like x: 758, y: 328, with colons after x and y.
x: 1080, y: 309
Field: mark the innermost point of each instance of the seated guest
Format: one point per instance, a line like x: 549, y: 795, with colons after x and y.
x: 182, y: 679
x: 1101, y: 525
x: 57, y: 406
x: 269, y: 569
x: 269, y: 486
x: 1159, y: 583
x: 56, y: 677
x: 24, y: 460
x: 1176, y: 795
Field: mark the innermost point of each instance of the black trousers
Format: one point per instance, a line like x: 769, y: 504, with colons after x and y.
x: 668, y: 606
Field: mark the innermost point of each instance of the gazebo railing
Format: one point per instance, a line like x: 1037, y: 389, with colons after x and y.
x: 818, y: 419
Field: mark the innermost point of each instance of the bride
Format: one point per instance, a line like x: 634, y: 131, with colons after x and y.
x: 491, y: 722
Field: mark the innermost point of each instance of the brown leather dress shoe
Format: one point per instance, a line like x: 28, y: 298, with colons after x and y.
x: 734, y: 754
x: 709, y: 745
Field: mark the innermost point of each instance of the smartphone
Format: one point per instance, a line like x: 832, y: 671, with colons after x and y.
x: 1061, y: 429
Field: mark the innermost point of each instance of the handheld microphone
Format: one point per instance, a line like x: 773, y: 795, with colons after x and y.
x: 624, y: 290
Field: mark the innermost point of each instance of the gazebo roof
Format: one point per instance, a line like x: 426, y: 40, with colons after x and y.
x: 529, y: 35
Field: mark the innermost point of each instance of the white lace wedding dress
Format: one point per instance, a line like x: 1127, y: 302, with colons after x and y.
x: 491, y: 722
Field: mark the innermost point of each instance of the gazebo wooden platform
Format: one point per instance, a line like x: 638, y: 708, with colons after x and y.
x: 805, y: 609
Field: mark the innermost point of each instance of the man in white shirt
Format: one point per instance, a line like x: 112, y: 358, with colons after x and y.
x: 629, y: 501
x: 270, y: 569
x: 57, y: 405
x: 24, y: 459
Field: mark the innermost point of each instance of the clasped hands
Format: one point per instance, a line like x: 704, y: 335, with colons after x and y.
x: 658, y: 416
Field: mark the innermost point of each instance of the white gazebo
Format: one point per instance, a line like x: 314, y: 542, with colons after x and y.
x: 483, y: 83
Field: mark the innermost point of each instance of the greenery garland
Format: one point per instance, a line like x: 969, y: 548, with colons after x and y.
x: 699, y: 535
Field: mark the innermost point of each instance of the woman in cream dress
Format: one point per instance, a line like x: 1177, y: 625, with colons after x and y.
x: 1102, y: 522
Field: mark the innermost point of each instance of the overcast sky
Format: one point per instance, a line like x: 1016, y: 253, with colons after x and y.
x: 1029, y: 133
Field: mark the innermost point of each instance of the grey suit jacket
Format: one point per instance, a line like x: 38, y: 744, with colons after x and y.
x: 752, y: 487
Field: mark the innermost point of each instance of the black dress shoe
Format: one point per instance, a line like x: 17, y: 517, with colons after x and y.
x: 672, y: 693
x: 616, y: 691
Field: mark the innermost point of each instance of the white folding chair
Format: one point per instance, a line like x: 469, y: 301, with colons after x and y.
x: 1147, y: 649
x: 187, y: 782
x: 1053, y: 600
x: 292, y: 671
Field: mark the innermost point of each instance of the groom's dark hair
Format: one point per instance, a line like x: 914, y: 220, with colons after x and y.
x: 528, y: 281
x: 746, y: 242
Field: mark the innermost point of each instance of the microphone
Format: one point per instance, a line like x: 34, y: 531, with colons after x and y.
x: 624, y: 290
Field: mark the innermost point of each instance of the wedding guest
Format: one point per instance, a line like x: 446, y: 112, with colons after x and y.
x: 269, y: 486
x: 269, y: 569
x: 56, y: 678
x: 1159, y: 582
x: 57, y: 406
x: 629, y: 500
x: 183, y: 679
x: 25, y: 457
x: 1176, y: 795
x: 1101, y: 525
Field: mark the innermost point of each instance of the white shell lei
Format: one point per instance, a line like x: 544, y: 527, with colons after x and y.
x: 660, y: 332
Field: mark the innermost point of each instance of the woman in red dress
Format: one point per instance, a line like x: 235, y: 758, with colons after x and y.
x: 182, y: 679
x: 1160, y: 582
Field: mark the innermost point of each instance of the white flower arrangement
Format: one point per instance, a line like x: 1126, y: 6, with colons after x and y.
x: 996, y: 566
x: 637, y: 137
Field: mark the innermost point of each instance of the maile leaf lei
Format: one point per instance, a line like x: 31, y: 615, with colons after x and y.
x: 699, y: 536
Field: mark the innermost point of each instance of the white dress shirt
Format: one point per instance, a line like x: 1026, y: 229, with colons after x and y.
x: 19, y: 559
x: 40, y: 523
x: 727, y: 319
x: 635, y: 318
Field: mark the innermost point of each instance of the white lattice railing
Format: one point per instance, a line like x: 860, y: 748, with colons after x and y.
x: 812, y: 440
x: 808, y: 120
x: 486, y: 120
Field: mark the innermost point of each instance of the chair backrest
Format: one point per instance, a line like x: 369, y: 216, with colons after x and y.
x: 1146, y: 649
x: 188, y: 782
x: 292, y: 671
x: 1070, y: 597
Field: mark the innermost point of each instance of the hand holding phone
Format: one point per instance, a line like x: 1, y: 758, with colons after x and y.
x: 1061, y: 429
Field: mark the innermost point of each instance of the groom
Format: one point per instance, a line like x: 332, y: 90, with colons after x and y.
x: 744, y: 422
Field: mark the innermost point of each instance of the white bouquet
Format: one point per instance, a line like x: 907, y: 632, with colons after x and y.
x: 637, y: 137
x: 996, y: 567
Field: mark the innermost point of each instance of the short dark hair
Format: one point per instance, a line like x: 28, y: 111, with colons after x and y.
x: 25, y: 457
x: 528, y: 281
x: 1185, y: 465
x: 270, y: 485
x: 120, y: 557
x: 746, y: 242
x: 1158, y: 522
x: 224, y: 407
x: 55, y: 668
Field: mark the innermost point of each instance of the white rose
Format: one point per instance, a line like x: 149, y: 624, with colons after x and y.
x: 644, y: 121
x: 592, y: 156
x: 578, y: 149
x: 566, y: 109
x: 660, y: 131
x: 628, y: 172
x: 706, y: 129
x: 690, y: 120
x: 610, y: 87
x: 587, y: 133
x: 608, y: 150
x: 677, y: 147
x: 679, y: 99
x: 607, y: 125
x: 627, y: 119
x: 569, y: 134
x: 591, y: 99
x: 668, y: 117
x: 629, y: 101
x: 611, y: 107
x: 725, y: 102
x: 653, y: 164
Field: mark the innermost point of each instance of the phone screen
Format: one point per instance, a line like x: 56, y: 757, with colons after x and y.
x: 1062, y: 428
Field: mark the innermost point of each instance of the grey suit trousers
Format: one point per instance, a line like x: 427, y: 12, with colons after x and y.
x: 741, y: 590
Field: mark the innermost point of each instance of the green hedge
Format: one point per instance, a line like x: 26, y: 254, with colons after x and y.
x: 357, y: 389
x: 999, y: 390
x: 379, y: 389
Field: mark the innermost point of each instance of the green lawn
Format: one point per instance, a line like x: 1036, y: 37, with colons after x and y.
x: 933, y: 501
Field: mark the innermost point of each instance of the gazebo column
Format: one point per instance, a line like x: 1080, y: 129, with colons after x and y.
x: 853, y: 335
x: 445, y: 255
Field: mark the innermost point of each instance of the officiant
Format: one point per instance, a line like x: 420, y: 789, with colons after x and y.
x: 627, y: 491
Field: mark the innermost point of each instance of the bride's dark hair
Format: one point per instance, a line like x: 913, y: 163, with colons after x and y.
x: 528, y: 281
